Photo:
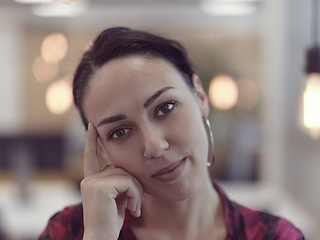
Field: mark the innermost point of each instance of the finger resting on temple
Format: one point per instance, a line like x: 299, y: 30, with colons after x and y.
x: 91, y: 162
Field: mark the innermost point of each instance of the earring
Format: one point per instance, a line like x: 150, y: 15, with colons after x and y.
x: 145, y: 155
x: 166, y: 147
x: 207, y: 126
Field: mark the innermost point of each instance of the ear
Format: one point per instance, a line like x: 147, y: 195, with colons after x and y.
x: 201, y: 96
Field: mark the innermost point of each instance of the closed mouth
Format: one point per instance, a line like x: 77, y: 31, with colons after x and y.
x: 167, y: 169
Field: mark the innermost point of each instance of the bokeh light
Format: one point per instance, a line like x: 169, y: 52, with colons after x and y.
x: 223, y: 92
x: 248, y: 94
x: 59, y: 97
x: 228, y: 8
x: 44, y: 71
x: 88, y: 45
x: 311, y: 106
x: 54, y: 48
x: 67, y: 2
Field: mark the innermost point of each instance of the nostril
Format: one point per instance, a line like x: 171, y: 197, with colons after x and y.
x: 155, y: 150
x: 154, y: 141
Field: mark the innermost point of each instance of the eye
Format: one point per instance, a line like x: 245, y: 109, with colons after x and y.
x: 165, y: 108
x: 119, y: 133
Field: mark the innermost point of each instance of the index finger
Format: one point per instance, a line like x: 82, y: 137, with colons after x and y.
x: 91, y: 162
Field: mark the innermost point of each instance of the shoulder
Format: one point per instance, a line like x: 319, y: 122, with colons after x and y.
x: 67, y: 224
x: 245, y: 223
x: 262, y: 225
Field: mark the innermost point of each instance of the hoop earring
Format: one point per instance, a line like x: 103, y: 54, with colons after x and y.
x: 207, y: 126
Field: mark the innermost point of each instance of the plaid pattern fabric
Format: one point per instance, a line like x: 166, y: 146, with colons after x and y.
x: 246, y: 224
x: 242, y: 224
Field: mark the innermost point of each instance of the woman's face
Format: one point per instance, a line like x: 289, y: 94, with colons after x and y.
x: 143, y: 105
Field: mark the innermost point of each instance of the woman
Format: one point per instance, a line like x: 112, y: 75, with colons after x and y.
x: 145, y: 111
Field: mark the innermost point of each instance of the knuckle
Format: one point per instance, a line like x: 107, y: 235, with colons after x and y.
x: 88, y: 183
x: 91, y: 187
x: 84, y: 184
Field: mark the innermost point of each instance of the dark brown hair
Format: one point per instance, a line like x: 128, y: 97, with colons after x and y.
x: 120, y: 42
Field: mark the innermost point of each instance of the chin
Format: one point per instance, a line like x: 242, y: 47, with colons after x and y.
x: 177, y: 193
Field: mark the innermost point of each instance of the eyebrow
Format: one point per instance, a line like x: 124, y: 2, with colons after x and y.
x: 146, y: 105
x: 112, y: 119
x: 155, y: 96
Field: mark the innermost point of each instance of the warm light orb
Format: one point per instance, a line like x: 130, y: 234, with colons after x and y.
x: 59, y: 97
x: 311, y: 105
x: 248, y: 94
x: 54, y: 48
x: 223, y: 92
x: 67, y: 2
x: 44, y: 71
x: 89, y: 45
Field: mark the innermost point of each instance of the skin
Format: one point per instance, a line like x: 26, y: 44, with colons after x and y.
x: 125, y: 124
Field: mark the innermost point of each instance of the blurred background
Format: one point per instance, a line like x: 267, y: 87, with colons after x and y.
x: 250, y: 56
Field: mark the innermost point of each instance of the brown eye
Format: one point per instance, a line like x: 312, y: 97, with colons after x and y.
x: 119, y: 133
x: 165, y: 108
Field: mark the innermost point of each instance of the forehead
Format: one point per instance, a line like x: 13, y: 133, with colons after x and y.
x: 133, y: 70
x: 129, y: 80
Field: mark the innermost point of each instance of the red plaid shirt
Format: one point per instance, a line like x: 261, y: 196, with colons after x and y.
x: 242, y: 224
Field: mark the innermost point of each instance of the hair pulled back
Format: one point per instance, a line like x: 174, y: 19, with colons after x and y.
x: 115, y: 43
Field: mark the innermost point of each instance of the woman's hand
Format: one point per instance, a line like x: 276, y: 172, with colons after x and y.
x: 106, y: 195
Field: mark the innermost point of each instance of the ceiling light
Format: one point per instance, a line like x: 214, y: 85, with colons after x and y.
x: 248, y: 94
x: 54, y: 48
x: 227, y: 8
x: 59, y: 97
x: 309, y: 104
x: 44, y: 71
x: 60, y: 9
x: 33, y: 1
x: 235, y: 1
x: 67, y: 1
x: 223, y: 92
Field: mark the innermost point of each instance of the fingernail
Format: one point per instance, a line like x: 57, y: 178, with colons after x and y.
x: 89, y: 125
x: 139, y: 212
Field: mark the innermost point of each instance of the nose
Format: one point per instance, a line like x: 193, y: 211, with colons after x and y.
x: 154, y: 142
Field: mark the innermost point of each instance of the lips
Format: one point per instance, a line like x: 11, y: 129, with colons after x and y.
x: 168, y: 168
x: 170, y: 172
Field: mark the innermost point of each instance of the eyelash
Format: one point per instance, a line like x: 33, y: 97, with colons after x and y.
x: 112, y: 133
x: 165, y: 104
x: 156, y: 112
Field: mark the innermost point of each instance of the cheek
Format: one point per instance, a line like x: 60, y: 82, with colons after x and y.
x: 124, y: 155
x: 190, y: 131
x: 199, y: 141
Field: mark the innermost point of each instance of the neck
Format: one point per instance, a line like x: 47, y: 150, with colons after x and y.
x: 186, y: 219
